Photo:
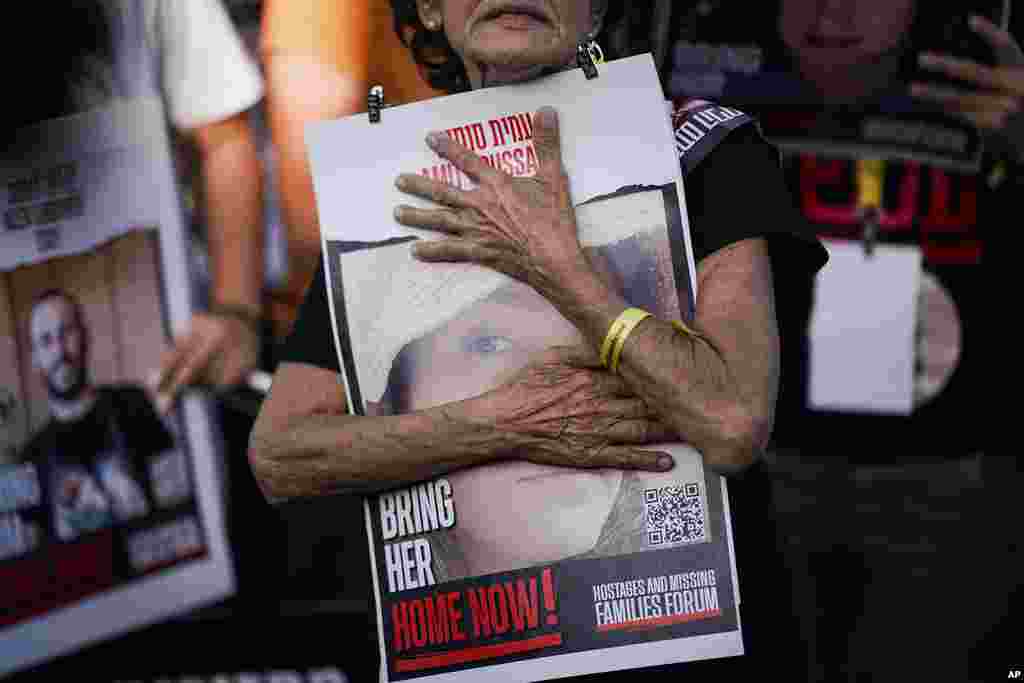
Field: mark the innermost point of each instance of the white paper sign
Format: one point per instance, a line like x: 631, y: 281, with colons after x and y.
x: 862, y: 329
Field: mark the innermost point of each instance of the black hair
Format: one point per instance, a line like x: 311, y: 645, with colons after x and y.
x: 442, y: 67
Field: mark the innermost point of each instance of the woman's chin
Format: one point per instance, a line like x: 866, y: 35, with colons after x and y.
x: 517, y: 60
x: 504, y: 75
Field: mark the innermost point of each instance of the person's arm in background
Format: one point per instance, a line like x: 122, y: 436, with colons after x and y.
x: 315, y: 53
x: 208, y: 101
x: 223, y: 343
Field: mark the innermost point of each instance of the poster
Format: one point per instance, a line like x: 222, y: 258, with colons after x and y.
x: 834, y: 78
x: 517, y: 571
x: 110, y: 508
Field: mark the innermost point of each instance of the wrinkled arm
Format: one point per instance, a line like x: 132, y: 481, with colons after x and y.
x: 303, y: 444
x: 558, y: 410
x: 717, y: 390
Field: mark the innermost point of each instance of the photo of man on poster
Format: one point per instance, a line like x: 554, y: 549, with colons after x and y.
x: 92, y: 455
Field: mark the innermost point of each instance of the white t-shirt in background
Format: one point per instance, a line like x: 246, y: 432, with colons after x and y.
x: 187, y: 52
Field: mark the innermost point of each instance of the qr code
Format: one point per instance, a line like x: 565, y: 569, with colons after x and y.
x: 675, y: 515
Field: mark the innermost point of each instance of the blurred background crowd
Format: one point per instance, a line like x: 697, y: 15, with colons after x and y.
x: 896, y: 528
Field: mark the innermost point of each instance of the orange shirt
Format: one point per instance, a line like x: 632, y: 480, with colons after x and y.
x: 343, y: 33
x: 355, y: 38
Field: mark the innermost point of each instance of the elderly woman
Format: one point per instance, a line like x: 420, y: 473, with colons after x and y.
x: 714, y: 389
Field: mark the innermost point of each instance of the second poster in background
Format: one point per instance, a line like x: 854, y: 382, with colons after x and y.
x: 110, y: 500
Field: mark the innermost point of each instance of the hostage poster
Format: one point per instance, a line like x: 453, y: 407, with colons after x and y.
x: 835, y: 78
x: 514, y: 570
x: 110, y: 505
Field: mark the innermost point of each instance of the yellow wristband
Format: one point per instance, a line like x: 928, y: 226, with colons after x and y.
x: 614, y: 330
x: 617, y: 334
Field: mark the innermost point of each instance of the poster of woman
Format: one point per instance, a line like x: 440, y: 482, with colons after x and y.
x: 517, y: 568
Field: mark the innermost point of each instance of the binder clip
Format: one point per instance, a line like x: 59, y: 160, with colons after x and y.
x: 375, y: 102
x: 588, y: 56
x: 870, y: 182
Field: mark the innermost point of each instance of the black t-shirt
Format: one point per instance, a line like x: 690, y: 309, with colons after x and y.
x: 734, y: 193
x: 120, y: 432
x: 944, y: 213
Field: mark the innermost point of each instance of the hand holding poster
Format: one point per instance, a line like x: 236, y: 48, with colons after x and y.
x: 110, y: 513
x: 839, y: 78
x: 523, y: 568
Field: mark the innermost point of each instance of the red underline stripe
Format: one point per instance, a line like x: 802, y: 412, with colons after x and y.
x: 654, y: 622
x: 476, y: 654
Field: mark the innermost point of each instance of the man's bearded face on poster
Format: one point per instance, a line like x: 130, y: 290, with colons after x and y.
x: 60, y: 346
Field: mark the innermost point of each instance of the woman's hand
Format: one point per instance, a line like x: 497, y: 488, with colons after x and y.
x: 999, y: 89
x: 565, y: 409
x: 523, y: 227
